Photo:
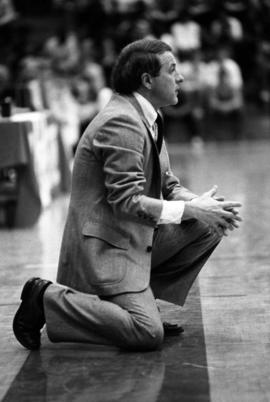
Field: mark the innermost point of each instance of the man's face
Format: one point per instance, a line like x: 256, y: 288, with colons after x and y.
x: 166, y: 86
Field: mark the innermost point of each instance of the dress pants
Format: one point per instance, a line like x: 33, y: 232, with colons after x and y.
x: 132, y: 320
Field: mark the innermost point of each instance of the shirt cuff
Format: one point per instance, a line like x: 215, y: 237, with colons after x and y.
x: 172, y: 212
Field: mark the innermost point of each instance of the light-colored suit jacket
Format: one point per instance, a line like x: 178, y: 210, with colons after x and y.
x: 119, y: 180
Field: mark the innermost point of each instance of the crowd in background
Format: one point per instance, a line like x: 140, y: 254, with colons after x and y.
x: 58, y: 55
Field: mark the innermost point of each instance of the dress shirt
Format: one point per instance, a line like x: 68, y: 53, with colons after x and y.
x: 172, y: 211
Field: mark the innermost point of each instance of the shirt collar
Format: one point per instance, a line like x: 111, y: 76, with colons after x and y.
x: 148, y: 110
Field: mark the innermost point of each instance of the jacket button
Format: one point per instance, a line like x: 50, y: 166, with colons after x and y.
x: 149, y: 249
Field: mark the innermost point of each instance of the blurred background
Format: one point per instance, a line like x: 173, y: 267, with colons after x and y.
x: 56, y: 60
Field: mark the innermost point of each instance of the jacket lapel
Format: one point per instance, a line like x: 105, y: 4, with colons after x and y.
x: 137, y: 106
x: 154, y: 147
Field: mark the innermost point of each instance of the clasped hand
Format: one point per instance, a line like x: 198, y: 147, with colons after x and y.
x: 220, y: 215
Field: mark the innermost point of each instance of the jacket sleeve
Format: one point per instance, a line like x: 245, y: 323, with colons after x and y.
x: 171, y: 187
x: 119, y: 144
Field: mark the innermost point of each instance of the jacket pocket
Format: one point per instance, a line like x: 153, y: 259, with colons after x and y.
x: 104, y: 232
x: 104, y: 253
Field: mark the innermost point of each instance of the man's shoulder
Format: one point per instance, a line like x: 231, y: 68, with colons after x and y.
x: 120, y: 107
x: 124, y: 102
x: 119, y: 114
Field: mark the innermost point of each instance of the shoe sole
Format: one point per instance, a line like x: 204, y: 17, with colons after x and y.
x: 25, y: 292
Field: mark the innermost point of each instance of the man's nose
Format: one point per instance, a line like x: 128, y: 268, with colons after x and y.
x: 179, y: 78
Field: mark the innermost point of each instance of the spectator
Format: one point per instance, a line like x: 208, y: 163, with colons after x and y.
x: 7, y: 19
x: 86, y: 88
x: 5, y: 89
x: 91, y: 20
x: 89, y: 88
x: 28, y: 91
x: 263, y: 55
x: 108, y: 57
x: 226, y: 102
x: 63, y: 48
x: 223, y: 58
x: 163, y: 14
x: 186, y: 34
x: 226, y: 29
x: 201, y: 11
x: 141, y: 29
x: 62, y: 105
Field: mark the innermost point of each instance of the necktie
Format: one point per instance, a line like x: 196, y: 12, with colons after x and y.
x: 159, y: 125
x: 155, y: 131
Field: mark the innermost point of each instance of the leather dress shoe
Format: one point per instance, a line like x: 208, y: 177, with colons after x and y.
x: 29, y: 318
x: 172, y: 329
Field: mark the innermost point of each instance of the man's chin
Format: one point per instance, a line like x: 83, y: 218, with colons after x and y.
x: 175, y: 101
x: 171, y: 102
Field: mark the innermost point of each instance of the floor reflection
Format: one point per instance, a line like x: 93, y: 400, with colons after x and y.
x: 84, y: 372
x: 78, y: 374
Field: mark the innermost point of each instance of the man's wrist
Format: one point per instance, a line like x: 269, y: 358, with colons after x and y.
x: 191, y: 211
x: 172, y: 212
x: 188, y: 209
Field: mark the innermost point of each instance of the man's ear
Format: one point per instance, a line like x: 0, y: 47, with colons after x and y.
x: 146, y: 80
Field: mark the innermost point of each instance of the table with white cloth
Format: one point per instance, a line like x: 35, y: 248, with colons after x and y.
x: 32, y: 144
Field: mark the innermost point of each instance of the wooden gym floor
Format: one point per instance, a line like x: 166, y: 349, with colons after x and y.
x: 224, y: 353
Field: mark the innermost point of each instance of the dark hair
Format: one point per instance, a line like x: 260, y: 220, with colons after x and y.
x: 135, y: 59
